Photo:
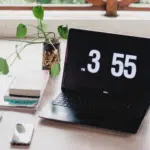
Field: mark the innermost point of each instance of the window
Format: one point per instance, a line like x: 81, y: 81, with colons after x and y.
x: 42, y: 1
x: 48, y: 4
x: 143, y: 4
x: 68, y: 4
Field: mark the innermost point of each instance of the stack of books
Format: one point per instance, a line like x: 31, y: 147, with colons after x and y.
x: 25, y: 91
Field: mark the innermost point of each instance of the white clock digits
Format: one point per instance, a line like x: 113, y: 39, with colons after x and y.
x: 123, y: 66
x: 127, y: 64
x: 115, y: 62
x: 95, y: 60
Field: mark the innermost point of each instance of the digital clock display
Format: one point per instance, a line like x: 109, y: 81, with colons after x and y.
x: 107, y: 63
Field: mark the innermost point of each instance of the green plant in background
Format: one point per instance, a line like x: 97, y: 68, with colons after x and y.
x: 41, y: 37
x: 61, y: 1
x: 16, y: 1
x: 43, y: 1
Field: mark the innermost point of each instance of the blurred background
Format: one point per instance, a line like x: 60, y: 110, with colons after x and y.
x: 42, y: 1
x: 56, y: 1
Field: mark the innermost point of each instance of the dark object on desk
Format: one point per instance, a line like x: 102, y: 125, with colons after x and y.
x: 104, y: 85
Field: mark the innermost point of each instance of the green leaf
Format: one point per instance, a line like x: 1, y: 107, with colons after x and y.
x: 3, y: 66
x: 63, y: 31
x: 38, y: 12
x: 55, y: 69
x: 21, y: 31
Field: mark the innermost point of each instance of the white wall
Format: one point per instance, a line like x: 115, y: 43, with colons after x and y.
x: 128, y: 23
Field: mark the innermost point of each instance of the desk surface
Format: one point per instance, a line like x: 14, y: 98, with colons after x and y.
x: 50, y: 135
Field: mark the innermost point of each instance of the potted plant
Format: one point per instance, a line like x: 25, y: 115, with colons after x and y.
x: 50, y: 41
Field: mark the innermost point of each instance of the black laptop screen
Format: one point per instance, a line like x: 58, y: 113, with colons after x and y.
x: 108, y: 63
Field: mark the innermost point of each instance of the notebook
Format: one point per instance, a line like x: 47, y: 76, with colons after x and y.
x: 28, y: 85
x: 20, y: 99
x: 9, y: 104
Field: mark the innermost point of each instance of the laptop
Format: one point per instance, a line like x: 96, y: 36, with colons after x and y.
x: 105, y: 81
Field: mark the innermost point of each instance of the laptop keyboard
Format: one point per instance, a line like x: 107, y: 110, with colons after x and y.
x: 83, y: 101
x: 72, y: 100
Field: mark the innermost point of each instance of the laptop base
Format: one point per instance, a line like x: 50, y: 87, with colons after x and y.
x: 114, y: 120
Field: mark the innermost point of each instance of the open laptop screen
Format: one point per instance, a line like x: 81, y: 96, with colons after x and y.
x: 107, y: 63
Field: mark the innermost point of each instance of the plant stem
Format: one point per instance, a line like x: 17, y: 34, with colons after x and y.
x: 44, y: 33
x: 32, y: 42
x: 47, y: 33
x: 13, y: 52
x: 41, y: 25
x: 40, y: 30
x: 58, y: 54
x: 43, y: 30
x: 52, y: 44
x: 10, y: 55
x: 51, y: 33
x: 24, y: 41
x: 13, y: 61
x: 19, y: 53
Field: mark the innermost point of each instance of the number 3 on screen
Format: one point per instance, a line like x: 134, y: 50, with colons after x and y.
x: 94, y: 61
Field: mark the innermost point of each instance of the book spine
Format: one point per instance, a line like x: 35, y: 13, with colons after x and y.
x: 21, y: 102
x: 20, y: 98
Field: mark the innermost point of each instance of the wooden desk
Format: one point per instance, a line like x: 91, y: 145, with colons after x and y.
x: 50, y: 135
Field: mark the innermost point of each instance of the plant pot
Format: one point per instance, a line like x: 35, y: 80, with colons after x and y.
x: 50, y: 55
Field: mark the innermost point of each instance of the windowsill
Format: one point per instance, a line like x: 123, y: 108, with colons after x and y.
x: 127, y: 22
x: 73, y: 15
